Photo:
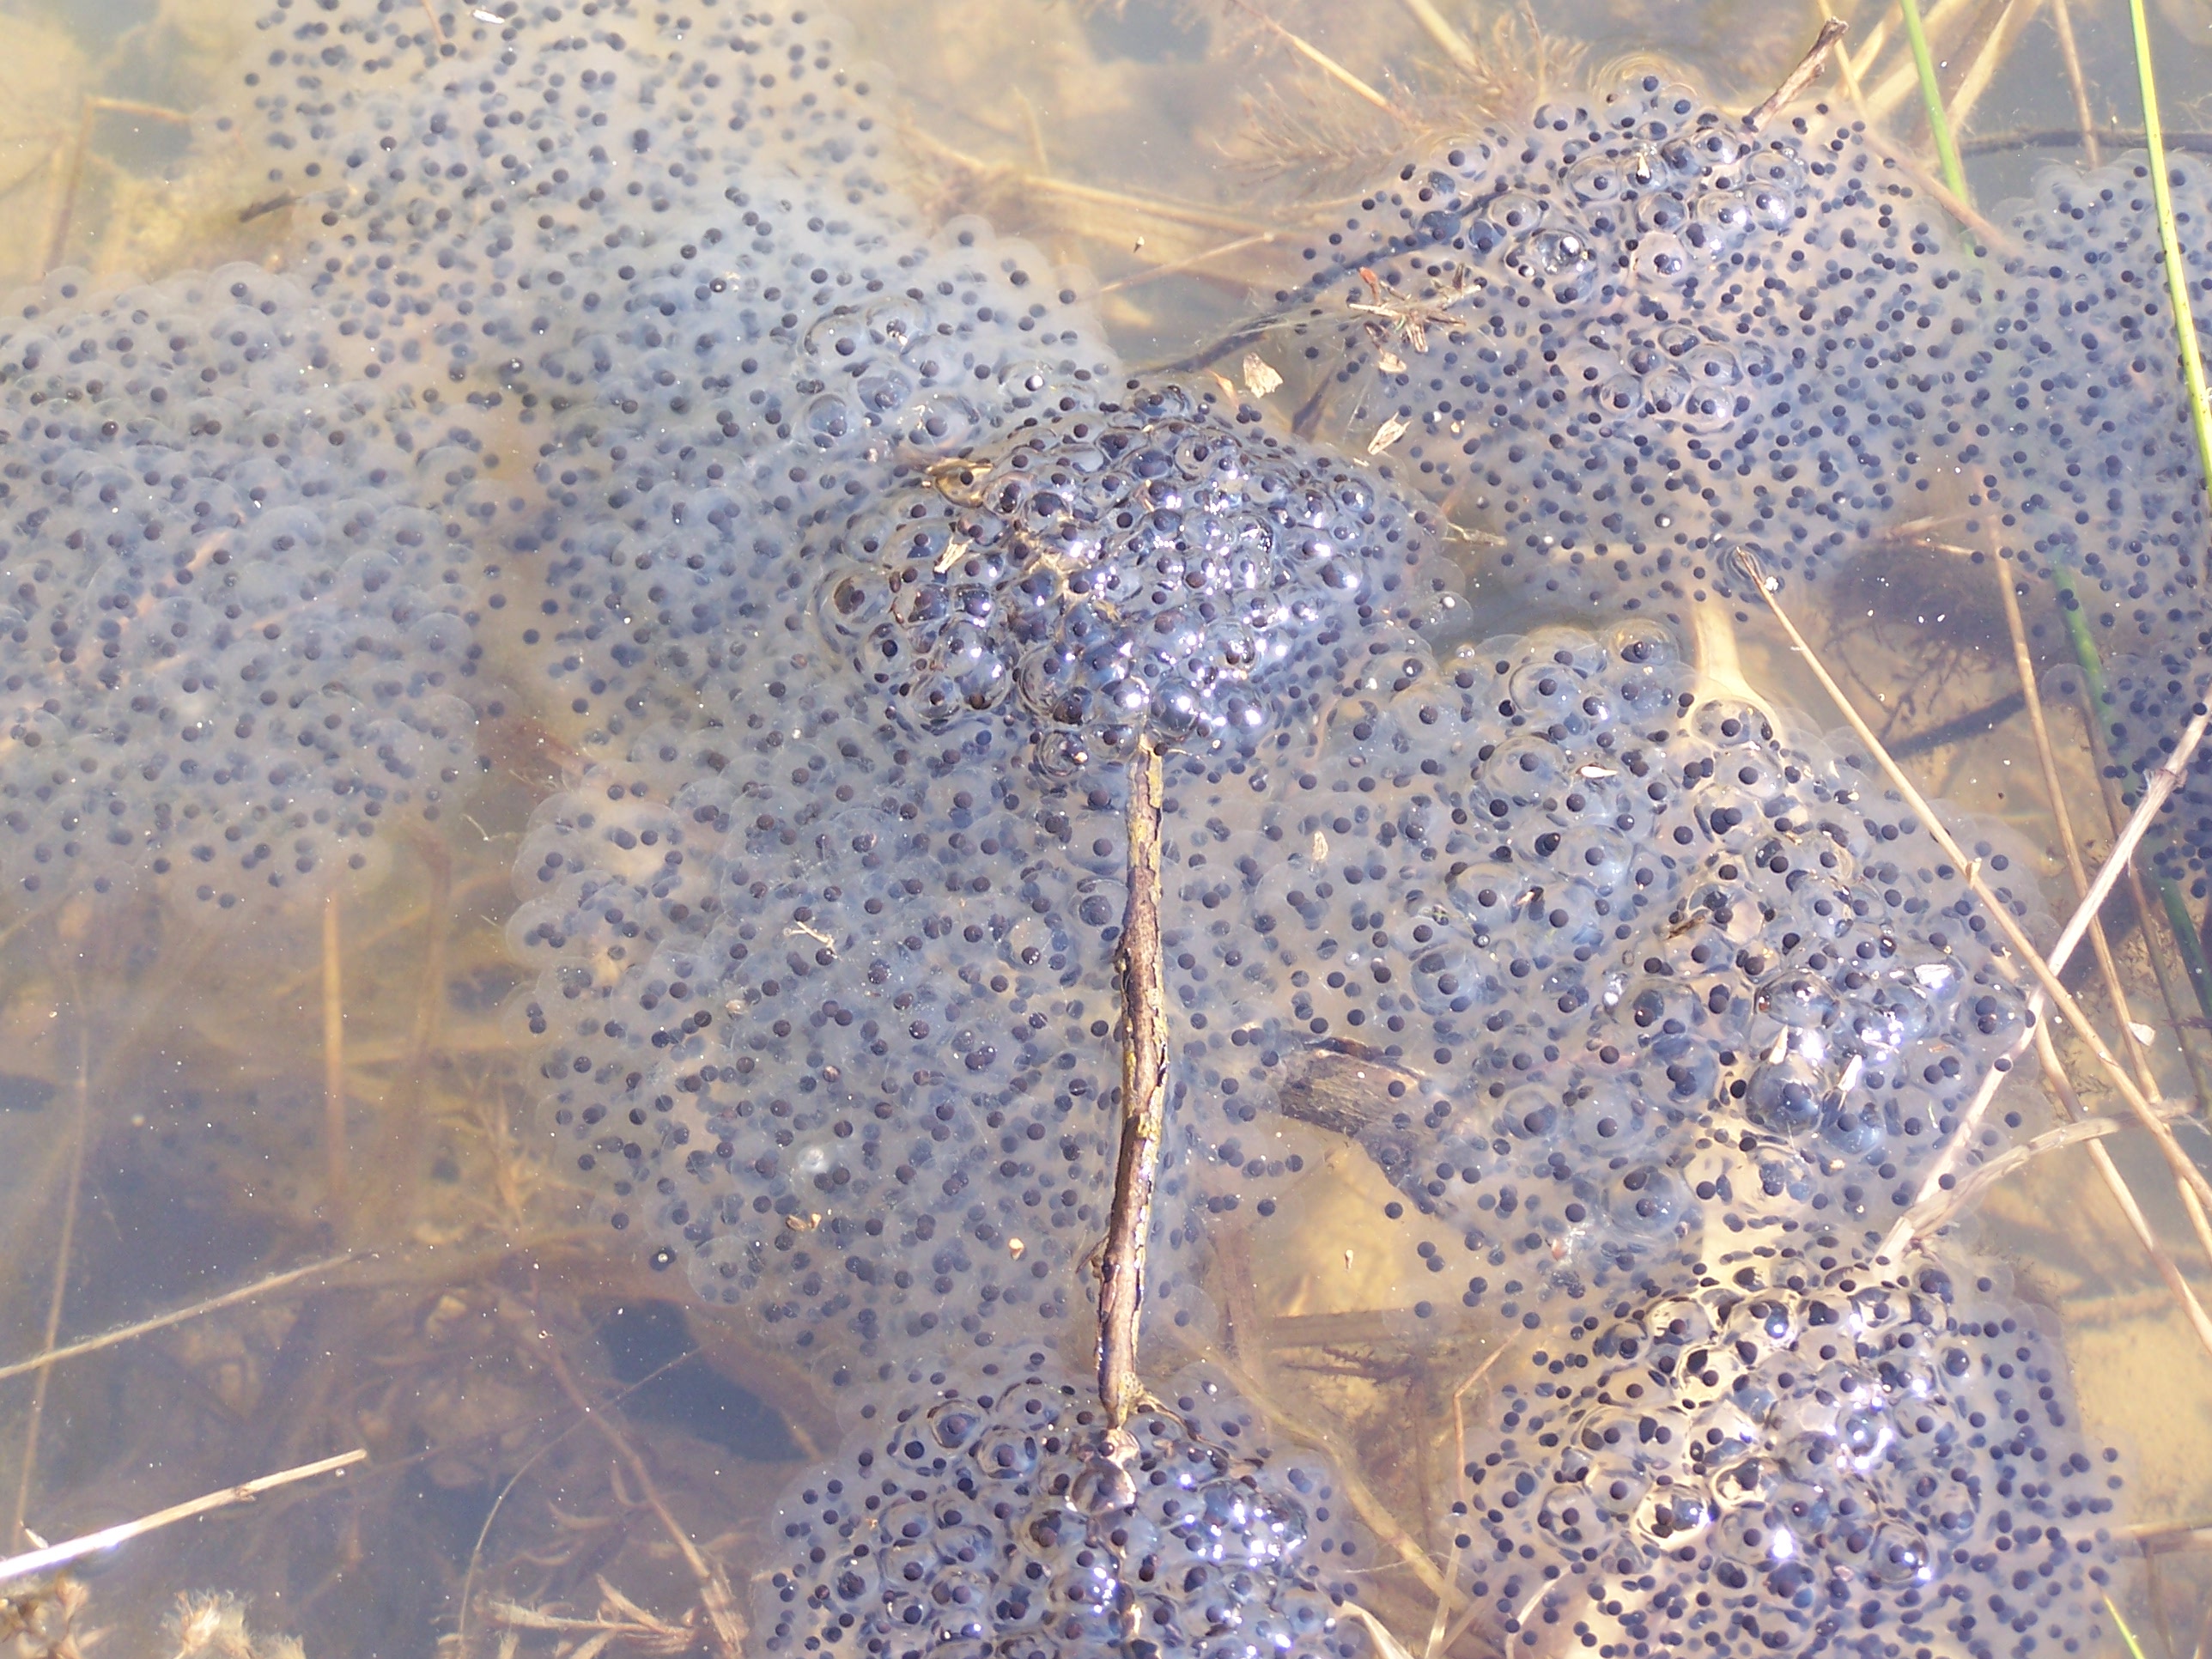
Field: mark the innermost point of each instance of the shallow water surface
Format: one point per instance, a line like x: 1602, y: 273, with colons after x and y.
x: 571, y: 713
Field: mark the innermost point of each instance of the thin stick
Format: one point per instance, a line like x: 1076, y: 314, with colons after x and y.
x: 2089, y: 698
x: 334, y: 1095
x: 2015, y: 16
x: 1144, y: 1099
x: 175, y: 1316
x: 2061, y: 19
x: 1153, y: 273
x: 1317, y: 56
x: 1844, y: 66
x: 1440, y: 31
x: 1809, y: 67
x: 1930, y: 1218
x: 2169, y: 242
x: 92, y: 1543
x: 2169, y: 776
x: 1162, y: 208
x: 2024, y: 666
x: 80, y: 151
x: 1438, y: 1624
x: 2116, y: 1184
x: 63, y: 1252
x: 715, y: 1592
x: 1931, y: 97
x: 1371, y: 1509
x: 404, y: 1117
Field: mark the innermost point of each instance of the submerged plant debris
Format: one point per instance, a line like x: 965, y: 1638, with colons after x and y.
x: 614, y: 446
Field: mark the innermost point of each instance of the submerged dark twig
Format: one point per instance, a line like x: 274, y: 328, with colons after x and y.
x: 1809, y: 68
x: 1974, y: 723
x: 1144, y: 1099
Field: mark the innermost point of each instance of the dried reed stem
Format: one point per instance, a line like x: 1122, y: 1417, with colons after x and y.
x: 2122, y: 1195
x: 2015, y: 16
x: 1371, y: 1510
x: 1144, y: 1099
x: 92, y: 1543
x: 1313, y: 55
x: 1439, y: 30
x: 1262, y: 238
x: 260, y: 1287
x: 2062, y: 20
x: 1972, y: 870
x: 1930, y: 1218
x: 1844, y: 66
x: 1161, y: 208
x: 2024, y: 666
x: 2163, y: 783
x: 402, y: 1120
x: 76, y: 152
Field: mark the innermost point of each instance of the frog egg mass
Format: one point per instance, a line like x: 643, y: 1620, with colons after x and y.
x: 611, y: 385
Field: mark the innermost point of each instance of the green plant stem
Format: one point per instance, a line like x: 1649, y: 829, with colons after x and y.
x: 1931, y: 94
x: 2192, y: 376
x: 2169, y: 242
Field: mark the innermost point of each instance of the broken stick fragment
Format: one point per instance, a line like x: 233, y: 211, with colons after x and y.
x: 1143, y: 1098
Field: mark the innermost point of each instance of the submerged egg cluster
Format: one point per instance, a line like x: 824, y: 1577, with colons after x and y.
x: 1637, y: 337
x: 1639, y: 972
x: 991, y: 1514
x: 1792, y: 1452
x: 236, y: 644
x: 1148, y: 568
x: 1633, y: 336
x: 827, y: 993
x: 843, y: 1060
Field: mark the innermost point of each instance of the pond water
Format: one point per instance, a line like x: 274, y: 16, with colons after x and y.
x: 586, y: 595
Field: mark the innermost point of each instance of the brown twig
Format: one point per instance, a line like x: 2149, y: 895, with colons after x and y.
x: 1809, y: 68
x: 92, y: 1543
x: 1144, y: 1099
